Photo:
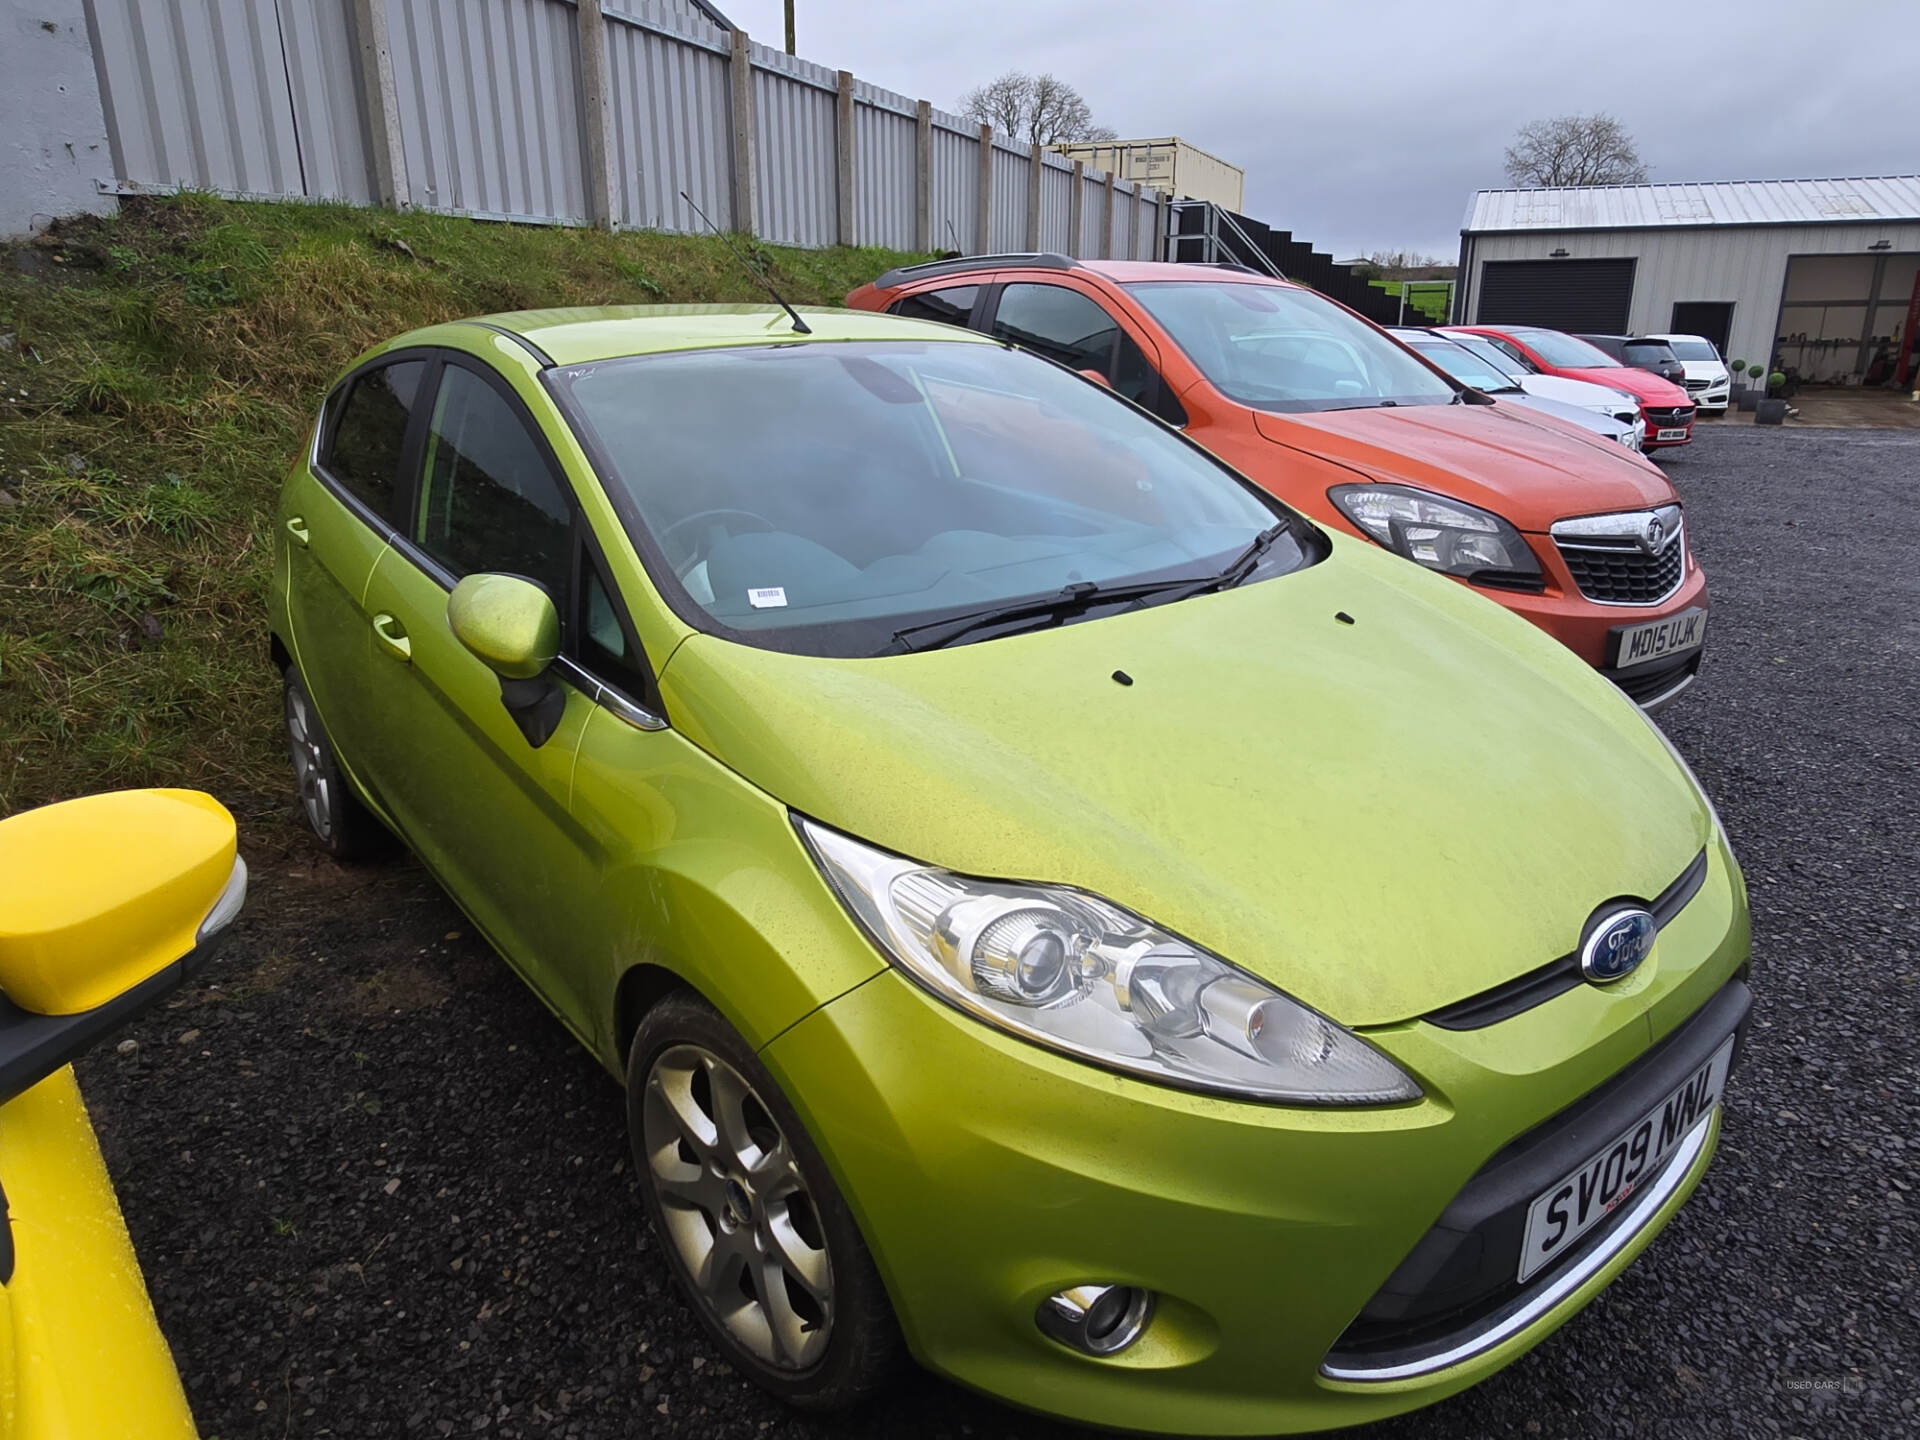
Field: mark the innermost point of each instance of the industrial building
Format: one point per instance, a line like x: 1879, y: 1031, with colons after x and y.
x: 1171, y: 166
x: 1820, y: 276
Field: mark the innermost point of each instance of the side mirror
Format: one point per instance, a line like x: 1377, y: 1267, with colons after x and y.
x: 1096, y: 376
x: 508, y: 623
x: 107, y: 903
x: 511, y: 627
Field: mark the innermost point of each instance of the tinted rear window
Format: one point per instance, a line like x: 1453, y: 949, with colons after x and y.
x: 372, y: 429
x: 953, y: 305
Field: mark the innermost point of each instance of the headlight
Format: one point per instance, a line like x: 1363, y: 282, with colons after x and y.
x: 1084, y: 976
x: 1445, y: 535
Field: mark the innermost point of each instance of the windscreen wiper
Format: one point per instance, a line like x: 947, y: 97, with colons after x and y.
x: 1070, y: 600
x: 1081, y: 596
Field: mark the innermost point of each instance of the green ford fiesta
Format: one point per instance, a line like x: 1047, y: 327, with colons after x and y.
x: 1056, y: 912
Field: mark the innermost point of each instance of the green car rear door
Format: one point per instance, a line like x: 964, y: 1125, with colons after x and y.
x: 336, y: 530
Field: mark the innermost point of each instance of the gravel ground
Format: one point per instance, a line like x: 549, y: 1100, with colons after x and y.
x: 378, y: 1192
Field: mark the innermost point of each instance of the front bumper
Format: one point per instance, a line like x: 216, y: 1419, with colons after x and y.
x: 987, y: 1174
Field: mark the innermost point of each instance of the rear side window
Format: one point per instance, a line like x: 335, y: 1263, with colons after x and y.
x: 488, y: 499
x: 371, y: 432
x: 953, y: 305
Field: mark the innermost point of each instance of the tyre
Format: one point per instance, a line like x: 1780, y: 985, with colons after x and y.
x: 757, y: 1233
x: 343, y: 825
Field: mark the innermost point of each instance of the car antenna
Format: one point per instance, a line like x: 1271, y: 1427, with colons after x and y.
x: 800, y: 326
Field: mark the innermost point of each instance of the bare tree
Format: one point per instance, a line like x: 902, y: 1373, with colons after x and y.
x: 1574, y: 150
x: 1039, y: 109
x: 1404, y: 260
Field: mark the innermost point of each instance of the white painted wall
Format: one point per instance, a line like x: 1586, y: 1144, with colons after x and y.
x: 53, y: 136
x: 1744, y: 264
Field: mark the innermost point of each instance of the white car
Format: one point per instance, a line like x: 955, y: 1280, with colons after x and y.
x: 1709, y: 383
x: 1616, y: 405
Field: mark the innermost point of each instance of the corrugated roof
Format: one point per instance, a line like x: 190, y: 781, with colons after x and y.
x: 1721, y: 202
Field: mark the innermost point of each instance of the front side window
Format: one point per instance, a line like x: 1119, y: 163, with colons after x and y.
x: 371, y: 432
x: 1067, y: 327
x: 489, y: 501
x: 1563, y: 350
x: 1279, y: 347
x: 953, y: 306
x: 1061, y: 324
x: 818, y: 498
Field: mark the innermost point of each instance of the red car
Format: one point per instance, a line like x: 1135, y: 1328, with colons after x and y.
x: 1667, y: 409
x: 1579, y: 535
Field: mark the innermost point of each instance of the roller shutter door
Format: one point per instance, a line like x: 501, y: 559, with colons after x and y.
x: 1575, y: 295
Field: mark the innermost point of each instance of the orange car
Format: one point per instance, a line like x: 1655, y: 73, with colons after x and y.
x: 1327, y: 411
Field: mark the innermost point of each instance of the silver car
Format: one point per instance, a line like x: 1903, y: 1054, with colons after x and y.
x: 1470, y: 360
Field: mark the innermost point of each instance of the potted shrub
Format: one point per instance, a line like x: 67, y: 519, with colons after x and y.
x: 1739, y: 369
x: 1748, y: 390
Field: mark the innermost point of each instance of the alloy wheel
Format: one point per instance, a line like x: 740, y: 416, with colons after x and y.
x: 309, y: 763
x: 736, y: 1208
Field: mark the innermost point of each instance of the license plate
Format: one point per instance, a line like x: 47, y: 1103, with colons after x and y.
x: 1566, y: 1211
x: 1671, y: 433
x: 1659, y: 639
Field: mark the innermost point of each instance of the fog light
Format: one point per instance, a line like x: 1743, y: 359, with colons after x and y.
x: 1096, y: 1319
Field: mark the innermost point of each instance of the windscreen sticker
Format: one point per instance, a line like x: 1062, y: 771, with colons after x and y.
x: 771, y: 598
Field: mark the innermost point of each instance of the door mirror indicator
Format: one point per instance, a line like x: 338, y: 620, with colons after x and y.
x: 510, y: 625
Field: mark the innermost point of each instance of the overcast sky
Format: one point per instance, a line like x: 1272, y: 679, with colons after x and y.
x: 1368, y: 126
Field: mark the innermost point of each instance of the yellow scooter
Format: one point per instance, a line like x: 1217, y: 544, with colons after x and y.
x: 107, y: 904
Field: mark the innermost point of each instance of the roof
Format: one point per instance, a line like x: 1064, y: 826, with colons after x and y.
x: 577, y: 336
x: 1719, y: 202
x: 1121, y: 272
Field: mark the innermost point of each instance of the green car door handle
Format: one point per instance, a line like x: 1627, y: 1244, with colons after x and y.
x: 390, y: 633
x: 297, y: 528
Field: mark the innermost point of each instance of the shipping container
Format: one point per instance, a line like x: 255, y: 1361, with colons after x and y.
x: 1171, y: 166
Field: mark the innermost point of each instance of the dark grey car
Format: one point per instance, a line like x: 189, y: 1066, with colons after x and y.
x: 1643, y: 354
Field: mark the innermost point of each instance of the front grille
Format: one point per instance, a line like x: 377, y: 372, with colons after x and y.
x: 1461, y: 1276
x: 1621, y: 572
x: 1693, y: 384
x: 1556, y: 977
x: 1665, y: 416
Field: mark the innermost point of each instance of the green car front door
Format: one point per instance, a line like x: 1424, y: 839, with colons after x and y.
x: 485, y: 807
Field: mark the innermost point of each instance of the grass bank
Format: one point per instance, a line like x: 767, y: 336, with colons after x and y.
x: 157, y: 373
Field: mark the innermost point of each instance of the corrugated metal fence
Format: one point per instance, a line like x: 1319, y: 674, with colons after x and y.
x: 573, y: 112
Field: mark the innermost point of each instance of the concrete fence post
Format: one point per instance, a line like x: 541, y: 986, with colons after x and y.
x: 1036, y: 167
x: 844, y: 136
x: 596, y: 105
x: 740, y: 107
x: 1106, y: 220
x: 1077, y: 209
x: 983, y: 195
x: 380, y: 106
x: 1133, y: 223
x: 923, y: 177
